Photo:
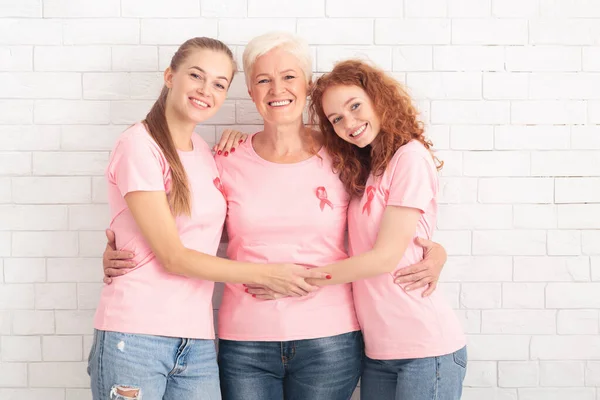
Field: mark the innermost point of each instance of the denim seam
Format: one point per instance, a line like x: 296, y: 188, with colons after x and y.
x: 100, y: 352
x: 437, y: 378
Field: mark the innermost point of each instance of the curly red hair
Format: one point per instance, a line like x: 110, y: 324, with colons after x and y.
x: 399, y: 123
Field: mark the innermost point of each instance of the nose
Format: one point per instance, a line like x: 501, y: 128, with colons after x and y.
x: 276, y: 86
x: 201, y: 88
x: 349, y: 122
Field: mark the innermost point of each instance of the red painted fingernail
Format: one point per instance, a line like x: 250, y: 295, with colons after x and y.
x: 219, y: 152
x: 232, y: 150
x: 254, y: 295
x: 328, y: 277
x: 241, y: 141
x: 247, y: 290
x: 226, y: 153
x: 244, y: 285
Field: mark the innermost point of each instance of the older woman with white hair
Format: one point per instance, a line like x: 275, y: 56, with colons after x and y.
x: 285, y: 203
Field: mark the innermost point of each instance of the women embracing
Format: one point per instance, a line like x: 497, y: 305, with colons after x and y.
x: 292, y: 336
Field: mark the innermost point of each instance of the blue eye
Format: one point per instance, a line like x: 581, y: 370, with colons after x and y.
x: 220, y: 86
x: 355, y: 106
x: 336, y: 120
x: 263, y: 81
x: 288, y: 77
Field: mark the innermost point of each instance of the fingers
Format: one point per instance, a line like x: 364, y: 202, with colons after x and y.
x: 107, y: 280
x: 258, y: 291
x: 413, y: 277
x: 430, y: 289
x: 424, y: 242
x: 112, y: 272
x: 234, y: 141
x: 219, y: 147
x: 315, y: 274
x: 412, y: 269
x: 119, y: 255
x: 265, y: 297
x: 307, y: 287
x: 110, y: 237
x: 419, y: 284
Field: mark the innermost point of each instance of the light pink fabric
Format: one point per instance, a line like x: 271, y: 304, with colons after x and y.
x: 149, y: 300
x: 284, y: 213
x: 398, y: 324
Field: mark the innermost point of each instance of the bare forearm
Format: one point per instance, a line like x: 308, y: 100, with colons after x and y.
x: 194, y: 264
x: 366, y: 265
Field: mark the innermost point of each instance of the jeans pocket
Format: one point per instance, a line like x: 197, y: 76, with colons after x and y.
x: 460, y: 357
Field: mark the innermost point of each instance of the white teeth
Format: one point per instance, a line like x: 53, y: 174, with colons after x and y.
x: 280, y: 103
x: 200, y: 103
x: 359, y: 131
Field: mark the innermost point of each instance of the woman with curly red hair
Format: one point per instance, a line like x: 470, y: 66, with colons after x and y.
x: 415, y: 346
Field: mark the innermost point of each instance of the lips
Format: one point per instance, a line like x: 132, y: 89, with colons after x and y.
x: 200, y: 103
x: 279, y: 103
x: 358, y: 131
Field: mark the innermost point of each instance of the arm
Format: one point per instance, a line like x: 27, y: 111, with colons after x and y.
x: 153, y: 216
x: 397, y: 230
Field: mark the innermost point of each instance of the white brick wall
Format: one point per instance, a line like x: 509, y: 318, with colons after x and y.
x: 510, y: 90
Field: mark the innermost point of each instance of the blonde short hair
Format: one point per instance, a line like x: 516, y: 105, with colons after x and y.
x: 288, y: 42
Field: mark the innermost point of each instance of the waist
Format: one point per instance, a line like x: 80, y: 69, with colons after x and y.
x: 151, y: 301
x: 327, y: 312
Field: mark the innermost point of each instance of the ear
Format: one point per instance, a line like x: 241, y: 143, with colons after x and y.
x: 168, y: 76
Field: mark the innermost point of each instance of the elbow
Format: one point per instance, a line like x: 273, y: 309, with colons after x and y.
x: 172, y: 262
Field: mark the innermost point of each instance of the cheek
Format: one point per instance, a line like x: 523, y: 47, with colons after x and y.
x: 220, y: 97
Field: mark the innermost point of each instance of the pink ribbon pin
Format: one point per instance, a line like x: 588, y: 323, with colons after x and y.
x: 370, y: 197
x: 219, y: 185
x: 322, y: 195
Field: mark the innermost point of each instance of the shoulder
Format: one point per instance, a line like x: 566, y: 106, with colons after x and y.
x: 413, y: 151
x: 137, y: 138
x: 244, y: 155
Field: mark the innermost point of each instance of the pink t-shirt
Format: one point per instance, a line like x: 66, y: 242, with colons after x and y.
x: 398, y: 324
x: 284, y: 213
x: 149, y: 300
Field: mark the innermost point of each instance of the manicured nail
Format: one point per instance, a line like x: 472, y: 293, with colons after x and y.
x: 226, y: 153
x: 219, y: 152
x: 247, y: 290
x: 254, y: 295
x: 328, y: 276
x: 241, y: 141
x: 233, y: 149
x: 244, y: 285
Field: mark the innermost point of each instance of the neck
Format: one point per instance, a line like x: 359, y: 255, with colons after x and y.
x: 181, y: 128
x: 283, y: 140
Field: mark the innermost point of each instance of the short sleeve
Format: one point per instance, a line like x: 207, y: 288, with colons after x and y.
x: 137, y: 165
x: 413, y: 181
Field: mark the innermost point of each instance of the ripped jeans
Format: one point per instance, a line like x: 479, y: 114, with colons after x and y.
x: 124, y: 366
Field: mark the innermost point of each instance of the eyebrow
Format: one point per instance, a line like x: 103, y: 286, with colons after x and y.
x: 345, y: 104
x: 282, y: 72
x: 204, y: 72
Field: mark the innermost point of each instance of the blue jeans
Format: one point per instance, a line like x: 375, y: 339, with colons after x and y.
x: 152, y: 367
x: 312, y: 369
x: 431, y: 378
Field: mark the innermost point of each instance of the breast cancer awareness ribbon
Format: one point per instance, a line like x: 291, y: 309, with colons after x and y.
x: 370, y: 196
x: 322, y: 195
x: 219, y: 185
